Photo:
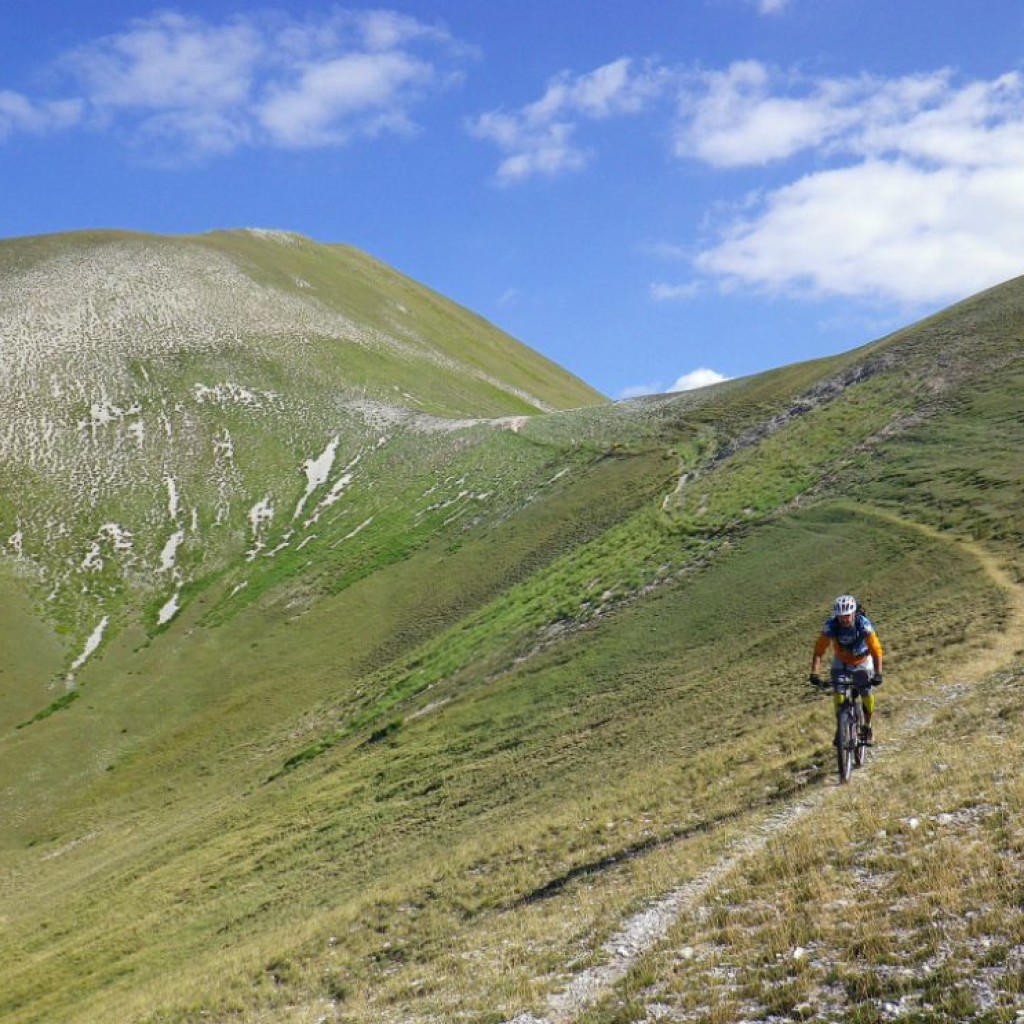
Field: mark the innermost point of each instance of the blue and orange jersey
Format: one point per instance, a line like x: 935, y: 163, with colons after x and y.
x: 850, y: 644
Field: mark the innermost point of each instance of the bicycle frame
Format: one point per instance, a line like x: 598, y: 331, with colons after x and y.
x: 850, y: 746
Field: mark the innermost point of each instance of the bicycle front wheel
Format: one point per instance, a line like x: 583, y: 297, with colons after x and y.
x: 860, y: 747
x: 846, y: 742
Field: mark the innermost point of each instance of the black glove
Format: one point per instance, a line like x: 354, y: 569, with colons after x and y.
x: 816, y: 680
x: 876, y: 680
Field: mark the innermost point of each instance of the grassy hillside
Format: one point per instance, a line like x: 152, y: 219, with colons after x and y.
x: 172, y: 404
x: 418, y: 746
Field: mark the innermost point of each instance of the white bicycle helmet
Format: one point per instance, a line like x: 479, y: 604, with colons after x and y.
x: 844, y: 605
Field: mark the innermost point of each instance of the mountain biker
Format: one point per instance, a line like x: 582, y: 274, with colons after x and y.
x: 856, y: 650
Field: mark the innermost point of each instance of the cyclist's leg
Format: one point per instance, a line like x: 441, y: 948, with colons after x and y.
x: 867, y: 702
x: 862, y: 677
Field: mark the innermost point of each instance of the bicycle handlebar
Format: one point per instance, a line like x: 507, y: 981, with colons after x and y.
x: 844, y: 683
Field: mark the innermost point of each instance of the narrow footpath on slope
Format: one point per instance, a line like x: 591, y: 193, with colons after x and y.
x: 644, y: 930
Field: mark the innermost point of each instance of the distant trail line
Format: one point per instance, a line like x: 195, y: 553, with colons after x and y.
x: 1004, y: 644
x: 645, y: 929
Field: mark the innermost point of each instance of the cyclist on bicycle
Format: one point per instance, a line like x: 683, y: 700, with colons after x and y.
x: 856, y: 650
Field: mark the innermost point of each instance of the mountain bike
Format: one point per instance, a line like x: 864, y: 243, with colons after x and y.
x: 851, y: 741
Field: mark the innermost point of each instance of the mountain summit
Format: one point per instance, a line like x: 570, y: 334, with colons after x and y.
x: 169, y: 402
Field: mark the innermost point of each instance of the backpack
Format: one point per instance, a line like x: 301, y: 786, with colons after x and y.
x: 858, y: 615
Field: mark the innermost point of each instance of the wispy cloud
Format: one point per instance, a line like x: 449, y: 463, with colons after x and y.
x: 540, y: 138
x: 751, y: 115
x: 19, y: 113
x: 904, y: 189
x: 639, y: 390
x: 193, y: 88
x: 662, y: 292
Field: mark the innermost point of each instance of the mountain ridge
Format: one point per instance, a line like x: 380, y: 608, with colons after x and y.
x: 416, y: 745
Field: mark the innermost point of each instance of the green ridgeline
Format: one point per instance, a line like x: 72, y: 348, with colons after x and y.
x: 411, y: 769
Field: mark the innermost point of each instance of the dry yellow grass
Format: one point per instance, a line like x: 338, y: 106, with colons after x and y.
x: 899, y: 897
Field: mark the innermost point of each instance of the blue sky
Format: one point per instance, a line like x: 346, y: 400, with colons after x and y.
x: 653, y: 193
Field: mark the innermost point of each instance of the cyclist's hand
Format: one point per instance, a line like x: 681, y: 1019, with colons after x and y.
x: 816, y: 680
x: 876, y: 680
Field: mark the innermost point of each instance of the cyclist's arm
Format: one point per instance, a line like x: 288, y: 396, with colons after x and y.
x: 819, y: 649
x: 875, y: 647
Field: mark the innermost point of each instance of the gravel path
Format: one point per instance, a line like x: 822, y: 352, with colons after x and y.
x: 644, y: 930
x: 647, y: 928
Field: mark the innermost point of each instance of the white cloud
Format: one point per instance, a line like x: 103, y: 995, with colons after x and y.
x: 907, y: 189
x: 200, y: 89
x: 885, y: 229
x: 609, y: 90
x: 169, y: 61
x: 545, y: 149
x: 700, y: 378
x: 360, y: 91
x: 750, y: 114
x: 978, y: 125
x: 921, y: 198
x: 731, y: 120
x: 538, y: 139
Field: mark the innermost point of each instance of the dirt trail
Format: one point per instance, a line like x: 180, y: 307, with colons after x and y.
x: 1003, y: 646
x: 646, y: 929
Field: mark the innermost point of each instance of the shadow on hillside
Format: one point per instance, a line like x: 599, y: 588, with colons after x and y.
x: 554, y: 886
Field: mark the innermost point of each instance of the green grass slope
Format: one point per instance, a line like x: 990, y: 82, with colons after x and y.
x: 416, y: 749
